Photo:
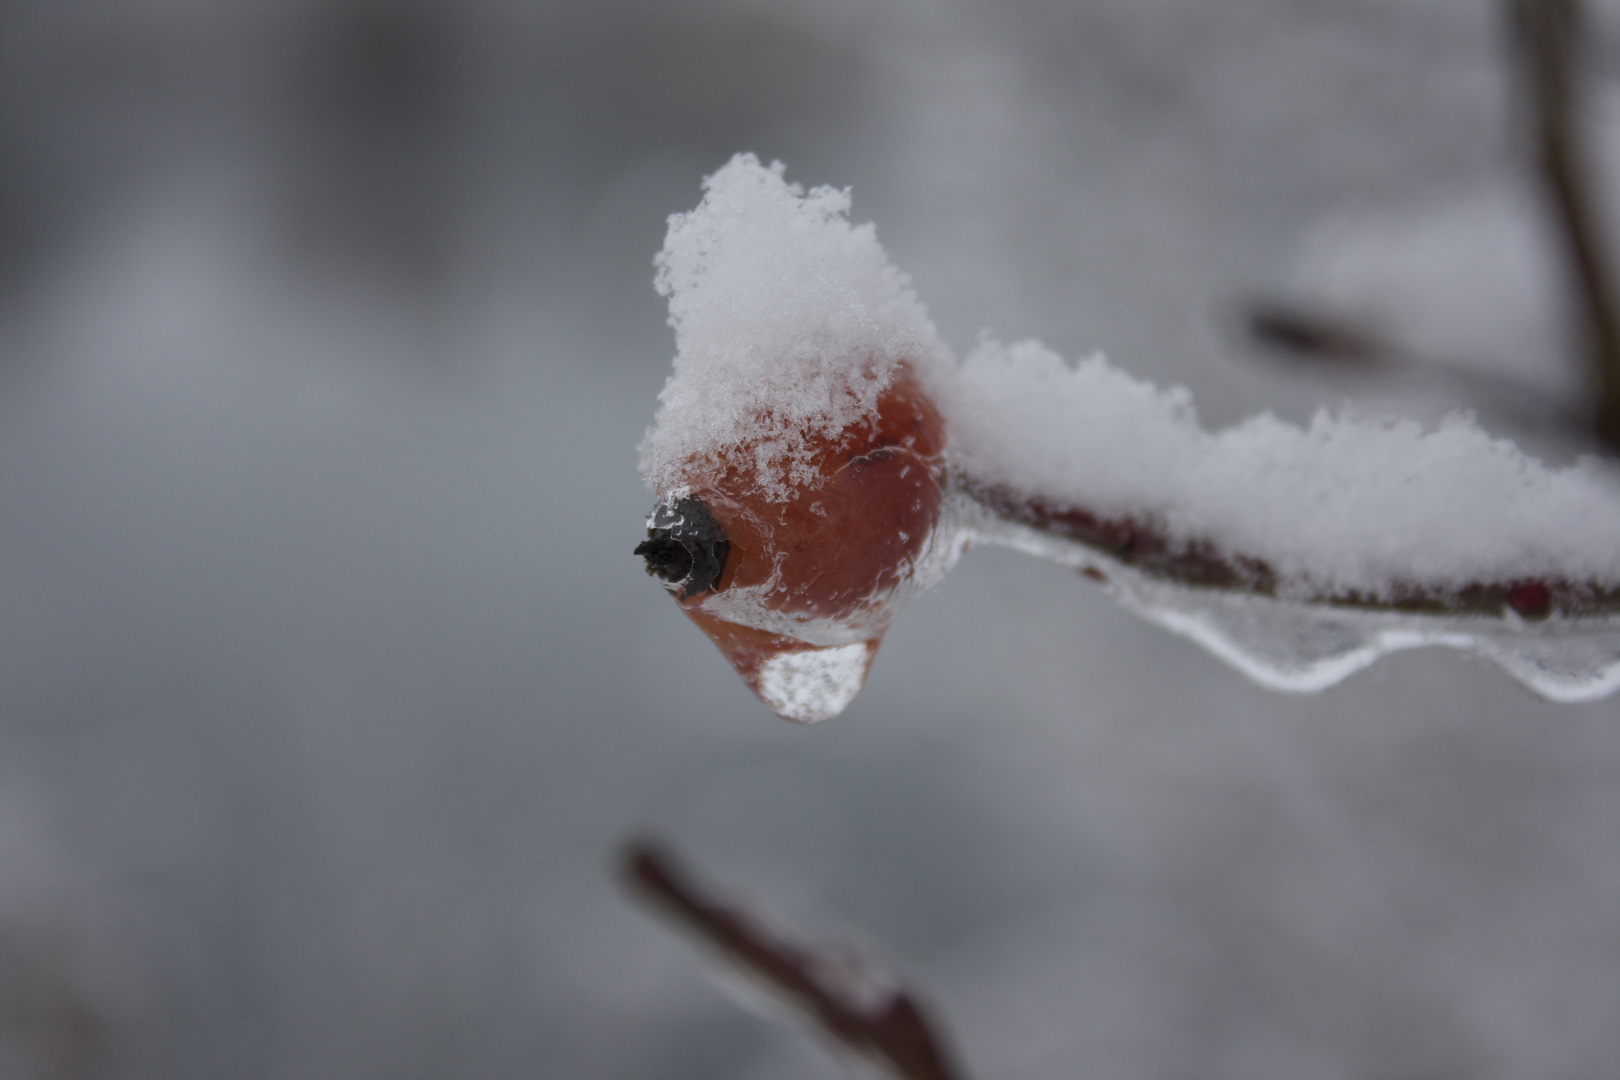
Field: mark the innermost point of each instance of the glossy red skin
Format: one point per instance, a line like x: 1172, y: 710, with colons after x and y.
x: 844, y: 537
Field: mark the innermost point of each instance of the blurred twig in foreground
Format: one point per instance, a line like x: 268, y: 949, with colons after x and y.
x: 881, y: 1024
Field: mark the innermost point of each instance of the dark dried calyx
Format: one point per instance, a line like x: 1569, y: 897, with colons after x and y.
x: 685, y: 547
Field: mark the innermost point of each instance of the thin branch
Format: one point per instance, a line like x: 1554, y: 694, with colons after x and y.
x: 881, y: 1024
x: 1144, y: 545
x: 1290, y: 330
x: 1547, y: 35
x: 1301, y: 334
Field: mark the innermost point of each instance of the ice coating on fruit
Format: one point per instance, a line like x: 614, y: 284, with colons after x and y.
x: 819, y: 459
x: 818, y: 576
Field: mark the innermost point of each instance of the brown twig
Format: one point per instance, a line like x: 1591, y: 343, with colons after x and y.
x: 883, y: 1025
x: 1547, y: 35
x: 1145, y: 545
x: 1299, y: 334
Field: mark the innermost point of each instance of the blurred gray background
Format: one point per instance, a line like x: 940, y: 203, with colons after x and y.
x: 329, y: 685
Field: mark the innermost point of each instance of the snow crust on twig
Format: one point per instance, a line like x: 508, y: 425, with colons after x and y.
x: 1347, y: 504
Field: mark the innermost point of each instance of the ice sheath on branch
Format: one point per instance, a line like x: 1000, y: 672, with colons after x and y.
x: 820, y: 458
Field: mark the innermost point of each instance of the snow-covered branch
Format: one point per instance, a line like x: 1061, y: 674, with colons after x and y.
x: 820, y: 444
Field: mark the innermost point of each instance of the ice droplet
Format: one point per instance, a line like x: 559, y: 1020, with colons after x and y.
x: 812, y: 685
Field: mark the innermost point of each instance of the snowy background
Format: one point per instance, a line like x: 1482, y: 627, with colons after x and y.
x: 328, y: 683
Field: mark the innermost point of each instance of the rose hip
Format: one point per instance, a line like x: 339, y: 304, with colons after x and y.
x: 821, y: 568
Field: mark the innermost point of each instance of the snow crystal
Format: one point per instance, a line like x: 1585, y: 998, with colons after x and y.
x: 788, y: 322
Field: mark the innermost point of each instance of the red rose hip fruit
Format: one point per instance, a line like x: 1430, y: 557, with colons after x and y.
x: 798, y: 591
